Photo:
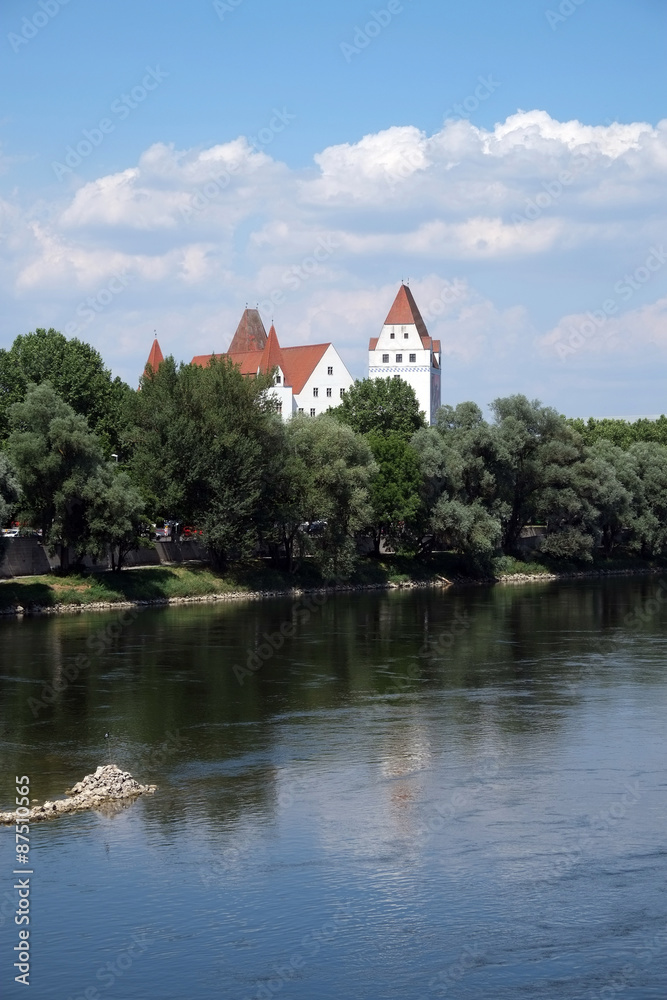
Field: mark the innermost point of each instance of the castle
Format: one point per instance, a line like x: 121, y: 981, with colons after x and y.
x: 404, y: 348
x: 311, y: 378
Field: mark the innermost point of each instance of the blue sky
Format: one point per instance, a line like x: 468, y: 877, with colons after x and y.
x: 507, y: 158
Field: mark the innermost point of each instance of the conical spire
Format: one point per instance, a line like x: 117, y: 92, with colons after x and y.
x: 155, y: 358
x: 273, y: 355
x: 404, y: 312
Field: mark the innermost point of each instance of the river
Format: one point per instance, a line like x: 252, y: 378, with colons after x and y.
x: 401, y: 795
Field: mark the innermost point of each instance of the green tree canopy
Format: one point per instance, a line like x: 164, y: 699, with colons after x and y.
x: 336, y: 470
x: 395, y: 492
x: 77, y: 373
x: 56, y: 455
x: 9, y: 495
x: 202, y: 450
x: 382, y: 405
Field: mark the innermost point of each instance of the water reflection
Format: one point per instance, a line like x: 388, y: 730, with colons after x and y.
x: 443, y: 763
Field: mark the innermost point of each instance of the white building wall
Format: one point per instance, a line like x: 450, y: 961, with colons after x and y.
x: 321, y: 380
x: 421, y: 374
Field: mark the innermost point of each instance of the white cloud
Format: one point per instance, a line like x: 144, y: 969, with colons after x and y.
x: 517, y: 219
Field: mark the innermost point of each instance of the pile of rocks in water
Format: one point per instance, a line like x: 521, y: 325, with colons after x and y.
x: 107, y: 784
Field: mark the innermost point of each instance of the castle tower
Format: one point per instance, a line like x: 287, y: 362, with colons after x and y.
x: 404, y: 348
x: 155, y: 358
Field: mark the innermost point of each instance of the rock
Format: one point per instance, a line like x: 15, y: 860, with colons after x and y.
x: 107, y: 785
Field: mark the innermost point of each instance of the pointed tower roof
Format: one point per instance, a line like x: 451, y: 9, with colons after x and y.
x: 404, y: 312
x: 273, y: 355
x: 155, y: 358
x: 250, y: 334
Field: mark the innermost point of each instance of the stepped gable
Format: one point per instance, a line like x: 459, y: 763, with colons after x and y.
x: 155, y: 358
x: 250, y: 334
x: 404, y: 312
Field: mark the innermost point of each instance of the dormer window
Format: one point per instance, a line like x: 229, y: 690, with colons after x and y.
x: 279, y: 379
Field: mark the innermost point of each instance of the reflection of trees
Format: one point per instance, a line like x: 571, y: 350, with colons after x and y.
x: 172, y: 671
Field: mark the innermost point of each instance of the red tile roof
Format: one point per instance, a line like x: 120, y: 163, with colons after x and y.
x: 297, y: 363
x: 272, y: 356
x: 404, y: 312
x: 373, y: 343
x: 155, y: 358
x: 300, y: 363
x: 250, y: 334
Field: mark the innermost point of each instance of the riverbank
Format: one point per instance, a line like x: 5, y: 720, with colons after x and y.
x: 164, y: 585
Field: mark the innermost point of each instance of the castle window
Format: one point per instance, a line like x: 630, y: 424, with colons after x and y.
x: 301, y: 409
x: 405, y: 336
x: 385, y: 359
x: 316, y: 392
x: 279, y: 407
x: 329, y: 370
x: 399, y: 359
x: 413, y: 358
x: 312, y: 411
x: 328, y: 392
x: 342, y: 393
x: 392, y: 335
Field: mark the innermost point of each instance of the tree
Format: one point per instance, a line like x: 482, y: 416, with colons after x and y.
x: 381, y: 405
x: 459, y: 459
x: 114, y: 515
x: 336, y: 468
x: 55, y: 455
x: 9, y: 495
x: 622, y: 433
x: 77, y: 373
x: 201, y: 450
x: 395, y: 491
x: 523, y: 433
x: 470, y: 530
x: 649, y: 528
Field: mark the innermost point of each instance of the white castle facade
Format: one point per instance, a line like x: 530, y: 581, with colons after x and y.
x: 404, y: 348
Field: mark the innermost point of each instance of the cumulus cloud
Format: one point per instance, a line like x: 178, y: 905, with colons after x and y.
x: 511, y: 219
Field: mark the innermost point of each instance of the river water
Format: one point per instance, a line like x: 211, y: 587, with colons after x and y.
x: 412, y: 795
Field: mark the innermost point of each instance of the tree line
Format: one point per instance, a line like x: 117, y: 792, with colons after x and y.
x: 89, y: 462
